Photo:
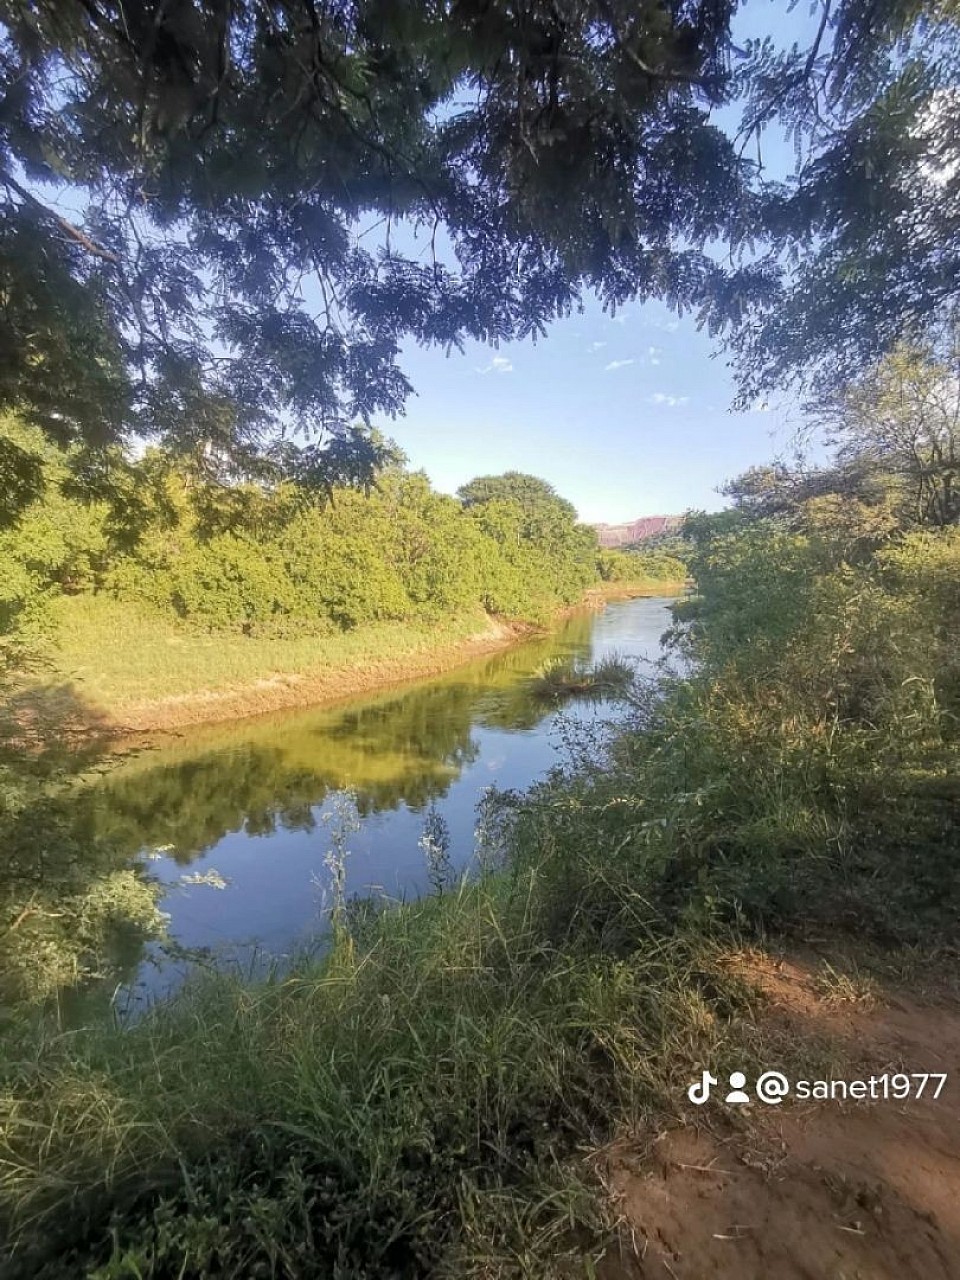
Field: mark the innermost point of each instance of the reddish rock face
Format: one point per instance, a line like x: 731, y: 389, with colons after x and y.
x: 619, y: 535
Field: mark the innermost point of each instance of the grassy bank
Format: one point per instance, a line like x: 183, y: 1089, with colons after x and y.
x: 132, y: 667
x: 420, y: 1102
x: 422, y: 1099
x: 121, y: 666
x: 168, y: 599
x: 417, y: 1103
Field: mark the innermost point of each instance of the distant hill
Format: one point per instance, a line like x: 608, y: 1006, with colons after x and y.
x: 622, y: 535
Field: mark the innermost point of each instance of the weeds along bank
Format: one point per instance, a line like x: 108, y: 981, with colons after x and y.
x: 419, y: 1101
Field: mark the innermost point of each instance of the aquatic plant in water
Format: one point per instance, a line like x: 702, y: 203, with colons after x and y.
x: 343, y: 818
x: 435, y: 843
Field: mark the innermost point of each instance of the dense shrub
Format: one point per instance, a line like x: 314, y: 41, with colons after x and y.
x: 633, y: 566
x: 57, y: 545
x: 275, y: 561
x: 803, y: 770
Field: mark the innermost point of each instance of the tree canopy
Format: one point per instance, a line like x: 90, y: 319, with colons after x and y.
x: 207, y: 210
x: 895, y: 437
x: 862, y: 241
x: 265, y: 561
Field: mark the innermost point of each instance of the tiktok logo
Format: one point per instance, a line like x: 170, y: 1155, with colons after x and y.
x: 699, y: 1091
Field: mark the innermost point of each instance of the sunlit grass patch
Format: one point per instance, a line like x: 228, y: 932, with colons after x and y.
x: 118, y: 654
x: 560, y: 679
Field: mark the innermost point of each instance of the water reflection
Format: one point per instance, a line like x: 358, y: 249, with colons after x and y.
x: 242, y: 806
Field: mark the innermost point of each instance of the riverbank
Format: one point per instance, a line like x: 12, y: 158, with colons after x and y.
x: 115, y: 670
x: 442, y: 1090
x: 458, y: 1088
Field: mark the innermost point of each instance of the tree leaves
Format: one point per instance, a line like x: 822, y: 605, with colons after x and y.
x: 221, y: 220
x: 224, y: 162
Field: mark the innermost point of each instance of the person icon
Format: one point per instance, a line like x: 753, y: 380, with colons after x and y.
x: 737, y: 1094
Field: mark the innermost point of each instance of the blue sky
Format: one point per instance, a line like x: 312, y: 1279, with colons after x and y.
x: 625, y: 416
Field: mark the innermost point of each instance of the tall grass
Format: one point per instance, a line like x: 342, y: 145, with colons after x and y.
x: 563, y: 679
x: 416, y: 1102
x: 120, y: 654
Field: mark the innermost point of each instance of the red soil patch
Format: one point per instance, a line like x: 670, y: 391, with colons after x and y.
x: 808, y: 1190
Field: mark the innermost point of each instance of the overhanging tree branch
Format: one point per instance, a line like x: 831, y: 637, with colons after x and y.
x: 74, y: 232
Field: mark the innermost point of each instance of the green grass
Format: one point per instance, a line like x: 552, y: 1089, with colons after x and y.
x: 420, y: 1100
x: 417, y: 1102
x: 561, y: 679
x: 118, y: 655
x: 109, y: 657
x: 113, y: 657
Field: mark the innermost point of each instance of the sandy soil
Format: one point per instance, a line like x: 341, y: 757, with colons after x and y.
x: 804, y: 1190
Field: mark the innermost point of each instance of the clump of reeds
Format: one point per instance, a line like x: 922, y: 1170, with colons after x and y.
x: 562, y: 679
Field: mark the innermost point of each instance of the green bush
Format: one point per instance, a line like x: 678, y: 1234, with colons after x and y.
x: 275, y: 561
x: 640, y: 566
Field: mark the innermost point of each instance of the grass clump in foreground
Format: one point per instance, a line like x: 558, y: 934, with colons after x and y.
x: 415, y: 1103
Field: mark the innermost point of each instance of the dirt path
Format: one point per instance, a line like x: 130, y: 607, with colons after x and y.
x: 809, y: 1190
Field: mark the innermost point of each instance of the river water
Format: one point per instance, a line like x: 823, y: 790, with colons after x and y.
x: 234, y: 822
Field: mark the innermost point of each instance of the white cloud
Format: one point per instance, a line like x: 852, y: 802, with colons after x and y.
x: 654, y: 354
x: 616, y: 364
x: 671, y: 402
x: 668, y: 326
x: 499, y: 364
x: 596, y: 346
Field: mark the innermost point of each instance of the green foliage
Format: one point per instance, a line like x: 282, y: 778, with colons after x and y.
x: 564, y: 678
x: 271, y: 561
x: 539, y: 554
x: 896, y: 461
x: 901, y: 420
x: 412, y: 1104
x: 870, y: 215
x: 414, y: 1101
x: 71, y: 895
x: 246, y: 143
x: 805, y: 768
x: 143, y: 157
x: 56, y: 544
x: 655, y: 565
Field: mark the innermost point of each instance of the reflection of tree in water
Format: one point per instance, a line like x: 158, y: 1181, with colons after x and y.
x: 76, y: 900
x: 405, y: 747
x: 73, y: 904
x: 408, y: 750
x: 190, y: 805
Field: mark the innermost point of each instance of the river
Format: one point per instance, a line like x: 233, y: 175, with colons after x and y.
x: 233, y: 822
